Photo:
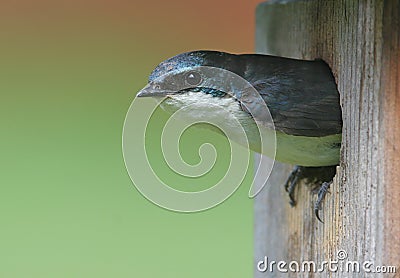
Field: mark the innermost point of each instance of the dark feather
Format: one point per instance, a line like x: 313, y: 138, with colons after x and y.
x: 301, y: 95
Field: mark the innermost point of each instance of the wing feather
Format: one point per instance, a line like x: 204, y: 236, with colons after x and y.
x: 301, y: 95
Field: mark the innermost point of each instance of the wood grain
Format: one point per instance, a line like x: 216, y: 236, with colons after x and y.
x: 360, y: 40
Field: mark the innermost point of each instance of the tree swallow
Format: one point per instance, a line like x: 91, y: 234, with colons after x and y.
x: 301, y: 96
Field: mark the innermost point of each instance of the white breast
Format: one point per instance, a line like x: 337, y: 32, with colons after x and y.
x: 227, y: 114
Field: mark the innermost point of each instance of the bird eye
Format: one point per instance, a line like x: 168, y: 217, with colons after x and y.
x: 193, y: 78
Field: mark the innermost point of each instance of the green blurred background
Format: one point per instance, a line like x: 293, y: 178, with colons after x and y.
x: 69, y: 71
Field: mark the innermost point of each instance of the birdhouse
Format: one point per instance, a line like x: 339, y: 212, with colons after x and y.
x: 360, y: 41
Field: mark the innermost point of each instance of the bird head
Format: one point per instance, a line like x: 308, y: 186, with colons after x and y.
x: 192, y: 78
x: 208, y: 88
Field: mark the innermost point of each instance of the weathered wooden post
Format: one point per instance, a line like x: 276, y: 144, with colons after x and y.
x: 360, y: 40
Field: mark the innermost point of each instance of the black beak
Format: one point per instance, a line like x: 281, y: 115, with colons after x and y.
x: 152, y: 90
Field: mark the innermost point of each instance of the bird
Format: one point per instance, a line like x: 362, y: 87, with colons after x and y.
x: 301, y: 96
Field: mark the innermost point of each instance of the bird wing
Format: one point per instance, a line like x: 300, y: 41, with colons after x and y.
x: 304, y: 113
x: 302, y: 101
